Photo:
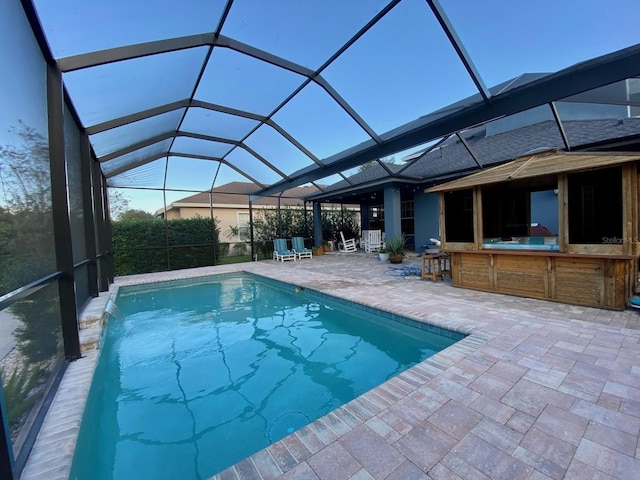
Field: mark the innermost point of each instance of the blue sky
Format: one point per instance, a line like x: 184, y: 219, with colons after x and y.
x: 403, y: 68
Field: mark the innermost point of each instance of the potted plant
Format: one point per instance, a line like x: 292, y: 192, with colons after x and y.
x: 383, y: 254
x: 395, y: 247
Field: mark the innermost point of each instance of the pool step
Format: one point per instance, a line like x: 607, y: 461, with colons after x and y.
x: 91, y: 321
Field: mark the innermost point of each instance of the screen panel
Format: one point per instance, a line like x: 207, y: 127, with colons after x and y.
x: 217, y: 124
x: 316, y: 32
x: 25, y: 197
x: 190, y: 173
x: 252, y: 166
x: 149, y: 175
x: 277, y: 150
x: 506, y: 39
x: 315, y: 120
x: 78, y: 26
x: 135, y: 158
x: 118, y: 138
x: 197, y: 146
x: 406, y: 68
x: 111, y: 91
x: 245, y: 83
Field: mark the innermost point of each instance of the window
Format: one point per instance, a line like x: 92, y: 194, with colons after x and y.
x: 376, y: 217
x: 244, y: 229
x: 406, y: 217
x: 521, y: 215
x: 458, y: 212
x: 595, y: 206
x: 505, y: 212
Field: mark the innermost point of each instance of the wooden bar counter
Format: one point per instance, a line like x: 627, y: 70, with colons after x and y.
x: 488, y: 222
x: 592, y: 280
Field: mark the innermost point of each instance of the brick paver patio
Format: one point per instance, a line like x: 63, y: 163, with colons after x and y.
x: 537, y: 390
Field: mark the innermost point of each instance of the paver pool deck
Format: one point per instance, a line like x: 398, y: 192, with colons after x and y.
x: 537, y: 389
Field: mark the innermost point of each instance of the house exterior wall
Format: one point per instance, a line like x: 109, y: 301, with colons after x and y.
x: 544, y: 209
x: 427, y: 214
x: 392, y: 220
x: 227, y: 217
x: 176, y: 213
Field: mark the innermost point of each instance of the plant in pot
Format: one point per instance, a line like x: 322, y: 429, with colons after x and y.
x: 395, y: 247
x: 383, y: 254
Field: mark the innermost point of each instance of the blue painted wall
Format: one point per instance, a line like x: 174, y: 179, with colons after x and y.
x: 392, y: 224
x: 427, y: 222
x: 544, y: 209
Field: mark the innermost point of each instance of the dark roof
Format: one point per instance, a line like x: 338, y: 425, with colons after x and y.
x: 451, y: 158
x: 372, y: 173
x: 542, y: 164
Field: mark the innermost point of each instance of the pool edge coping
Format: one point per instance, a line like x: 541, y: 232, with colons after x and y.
x: 52, y: 455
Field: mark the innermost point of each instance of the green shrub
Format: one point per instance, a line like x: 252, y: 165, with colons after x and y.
x: 140, y: 246
x: 240, y: 248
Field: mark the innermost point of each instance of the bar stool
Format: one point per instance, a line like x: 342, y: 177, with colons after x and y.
x: 445, y: 264
x: 431, y: 266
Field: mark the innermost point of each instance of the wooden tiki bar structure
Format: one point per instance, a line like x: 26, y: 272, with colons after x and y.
x: 591, y: 259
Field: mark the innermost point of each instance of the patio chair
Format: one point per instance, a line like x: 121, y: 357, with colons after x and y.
x: 348, y: 245
x: 297, y: 244
x: 281, y: 252
x: 372, y: 241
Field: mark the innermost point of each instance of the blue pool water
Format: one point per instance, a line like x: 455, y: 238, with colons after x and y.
x: 197, y: 375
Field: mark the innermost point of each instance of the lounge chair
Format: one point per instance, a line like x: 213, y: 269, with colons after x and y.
x: 348, y: 245
x: 297, y: 244
x: 281, y: 252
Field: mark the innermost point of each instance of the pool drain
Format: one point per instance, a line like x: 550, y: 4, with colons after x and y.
x: 286, y: 424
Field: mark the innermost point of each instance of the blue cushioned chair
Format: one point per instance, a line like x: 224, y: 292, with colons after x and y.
x: 281, y: 252
x: 297, y: 244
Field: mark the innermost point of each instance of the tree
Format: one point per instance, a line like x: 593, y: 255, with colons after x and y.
x: 372, y: 163
x: 26, y: 229
x: 118, y: 203
x: 27, y: 218
x: 367, y: 165
x: 135, y: 214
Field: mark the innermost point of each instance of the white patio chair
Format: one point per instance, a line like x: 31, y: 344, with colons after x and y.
x: 373, y: 241
x: 348, y: 245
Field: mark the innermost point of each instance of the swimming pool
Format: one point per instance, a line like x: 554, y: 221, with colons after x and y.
x: 200, y: 374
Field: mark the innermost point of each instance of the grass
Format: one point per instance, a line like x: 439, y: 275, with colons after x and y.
x: 240, y: 259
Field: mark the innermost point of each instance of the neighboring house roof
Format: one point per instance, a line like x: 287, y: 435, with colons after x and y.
x: 237, y: 193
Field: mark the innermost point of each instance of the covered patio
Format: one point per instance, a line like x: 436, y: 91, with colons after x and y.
x: 536, y: 390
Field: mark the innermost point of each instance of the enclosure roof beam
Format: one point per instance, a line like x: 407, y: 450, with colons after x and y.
x: 460, y: 49
x: 469, y: 149
x: 579, y: 78
x: 556, y: 117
